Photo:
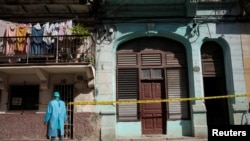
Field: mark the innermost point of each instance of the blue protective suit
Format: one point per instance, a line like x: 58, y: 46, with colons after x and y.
x: 55, y: 116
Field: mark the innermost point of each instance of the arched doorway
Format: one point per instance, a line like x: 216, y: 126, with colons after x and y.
x: 151, y: 68
x: 214, y: 83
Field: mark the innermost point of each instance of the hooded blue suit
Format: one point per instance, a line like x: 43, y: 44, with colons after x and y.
x: 56, y: 116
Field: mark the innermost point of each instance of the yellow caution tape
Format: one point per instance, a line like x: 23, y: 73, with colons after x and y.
x: 153, y: 100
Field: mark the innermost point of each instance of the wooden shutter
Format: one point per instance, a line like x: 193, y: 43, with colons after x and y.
x: 212, y: 60
x: 177, y: 88
x: 175, y: 59
x: 151, y: 59
x: 127, y: 89
x: 126, y: 59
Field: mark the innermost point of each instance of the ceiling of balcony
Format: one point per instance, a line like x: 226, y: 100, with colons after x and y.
x: 28, y: 11
x: 144, y: 8
x: 32, y: 11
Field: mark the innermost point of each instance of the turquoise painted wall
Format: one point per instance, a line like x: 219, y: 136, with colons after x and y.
x: 131, y: 129
x: 226, y: 34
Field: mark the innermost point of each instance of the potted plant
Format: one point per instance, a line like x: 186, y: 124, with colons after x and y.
x: 82, y: 33
x: 79, y: 30
x: 89, y: 58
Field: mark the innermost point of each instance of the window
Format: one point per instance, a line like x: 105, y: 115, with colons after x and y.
x: 152, y: 74
x: 127, y: 89
x: 177, y: 88
x: 24, y: 97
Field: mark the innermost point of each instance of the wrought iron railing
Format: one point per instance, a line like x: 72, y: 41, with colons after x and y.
x: 46, y: 49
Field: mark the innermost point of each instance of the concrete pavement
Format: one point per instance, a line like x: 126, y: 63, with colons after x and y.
x: 162, y: 138
x: 142, y: 138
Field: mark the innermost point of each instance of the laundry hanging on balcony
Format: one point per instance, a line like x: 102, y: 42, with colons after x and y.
x: 33, y: 39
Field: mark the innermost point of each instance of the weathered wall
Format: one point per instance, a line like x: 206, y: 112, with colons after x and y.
x: 245, y: 41
x: 87, y: 127
x: 228, y: 35
x: 29, y: 126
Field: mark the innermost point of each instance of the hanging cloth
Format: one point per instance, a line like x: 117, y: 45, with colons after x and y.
x: 47, y: 33
x: 69, y: 27
x: 11, y: 42
x: 55, y: 30
x: 21, y: 31
x: 47, y: 37
x: 28, y: 39
x: 37, y: 40
x: 62, y: 30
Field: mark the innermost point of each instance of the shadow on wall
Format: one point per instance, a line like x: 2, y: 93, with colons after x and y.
x: 232, y: 28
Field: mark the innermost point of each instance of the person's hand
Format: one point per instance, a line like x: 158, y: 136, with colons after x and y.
x: 45, y: 123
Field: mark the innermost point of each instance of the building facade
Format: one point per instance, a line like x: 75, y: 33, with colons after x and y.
x: 40, y: 54
x: 144, y: 52
x: 153, y: 50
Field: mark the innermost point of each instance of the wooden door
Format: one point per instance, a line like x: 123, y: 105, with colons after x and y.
x: 152, y: 117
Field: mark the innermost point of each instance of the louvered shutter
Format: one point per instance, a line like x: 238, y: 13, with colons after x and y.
x: 177, y: 88
x: 212, y: 60
x: 127, y: 89
x: 151, y: 59
x: 126, y: 59
x: 175, y: 59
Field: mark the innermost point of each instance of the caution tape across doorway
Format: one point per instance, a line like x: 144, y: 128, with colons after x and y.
x: 153, y: 100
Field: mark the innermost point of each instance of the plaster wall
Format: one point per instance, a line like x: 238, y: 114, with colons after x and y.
x: 28, y: 125
x: 82, y: 91
x: 245, y: 41
x: 226, y: 34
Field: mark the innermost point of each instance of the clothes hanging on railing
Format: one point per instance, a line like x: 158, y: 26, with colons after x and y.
x: 36, y: 46
x: 69, y: 25
x: 55, y: 30
x: 34, y: 39
x: 10, y: 44
x: 21, y: 31
x: 47, y: 39
x: 62, y: 30
x: 28, y: 40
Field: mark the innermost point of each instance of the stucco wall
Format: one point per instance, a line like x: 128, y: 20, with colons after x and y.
x: 87, y: 127
x: 29, y: 126
x: 245, y: 39
x: 227, y: 35
x: 22, y: 126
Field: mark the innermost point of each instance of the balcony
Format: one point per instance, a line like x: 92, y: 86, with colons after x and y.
x: 215, y: 4
x: 163, y: 9
x: 32, y: 11
x: 227, y: 10
x: 117, y: 9
x: 46, y: 50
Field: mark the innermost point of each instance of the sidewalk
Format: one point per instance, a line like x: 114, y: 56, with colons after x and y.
x: 143, y: 138
x: 161, y: 138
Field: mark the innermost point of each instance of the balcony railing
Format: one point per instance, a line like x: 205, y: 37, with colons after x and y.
x: 46, y: 49
x: 215, y: 4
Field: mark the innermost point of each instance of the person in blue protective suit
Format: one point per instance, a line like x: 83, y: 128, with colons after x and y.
x: 55, y: 117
